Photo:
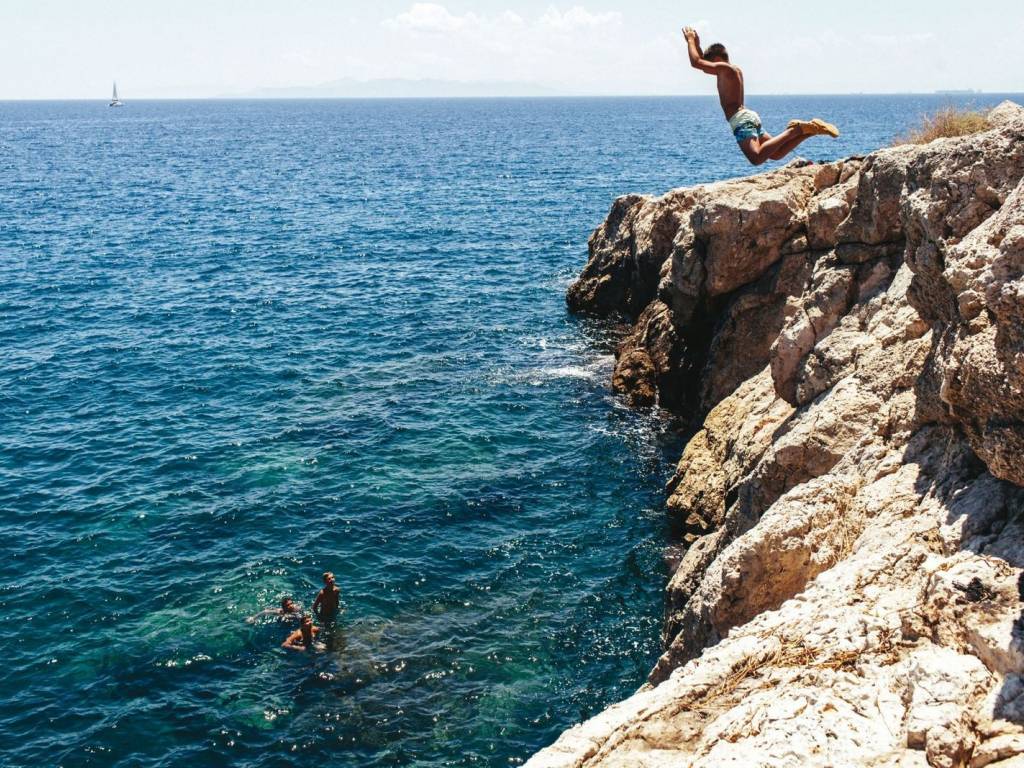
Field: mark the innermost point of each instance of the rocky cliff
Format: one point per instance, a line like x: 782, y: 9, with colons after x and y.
x: 849, y: 339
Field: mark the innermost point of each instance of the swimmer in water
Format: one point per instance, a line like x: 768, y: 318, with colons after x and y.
x: 302, y: 638
x: 289, y: 610
x: 328, y: 600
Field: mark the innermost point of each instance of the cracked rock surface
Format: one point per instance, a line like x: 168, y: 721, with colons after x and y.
x: 848, y: 339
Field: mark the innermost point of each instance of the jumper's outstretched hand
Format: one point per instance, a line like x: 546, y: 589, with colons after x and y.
x: 691, y: 34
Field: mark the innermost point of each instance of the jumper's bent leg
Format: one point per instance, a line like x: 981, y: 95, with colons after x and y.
x: 788, y: 146
x: 807, y: 128
x: 759, y: 151
x: 779, y: 146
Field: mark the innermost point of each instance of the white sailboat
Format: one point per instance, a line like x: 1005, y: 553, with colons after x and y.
x: 114, y: 101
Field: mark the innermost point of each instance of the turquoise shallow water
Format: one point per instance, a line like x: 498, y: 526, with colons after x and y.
x: 245, y: 342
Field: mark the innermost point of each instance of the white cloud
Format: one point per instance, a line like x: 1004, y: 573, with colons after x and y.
x: 431, y: 17
x: 301, y: 58
x: 567, y: 45
x: 578, y: 17
x: 913, y: 38
x: 511, y: 18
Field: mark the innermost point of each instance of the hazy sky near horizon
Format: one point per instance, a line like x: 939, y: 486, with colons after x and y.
x: 196, y: 48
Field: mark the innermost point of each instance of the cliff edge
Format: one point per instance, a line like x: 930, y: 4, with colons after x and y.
x: 849, y: 339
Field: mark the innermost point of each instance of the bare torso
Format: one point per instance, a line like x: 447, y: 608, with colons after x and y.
x: 730, y: 90
x: 328, y: 601
x: 301, y: 638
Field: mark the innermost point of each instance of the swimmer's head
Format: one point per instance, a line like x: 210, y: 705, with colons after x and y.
x: 287, y: 604
x: 328, y: 577
x: 716, y: 52
x: 307, y: 621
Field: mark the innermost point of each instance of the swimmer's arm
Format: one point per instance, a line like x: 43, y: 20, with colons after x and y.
x: 317, y: 602
x: 265, y: 612
x: 293, y: 642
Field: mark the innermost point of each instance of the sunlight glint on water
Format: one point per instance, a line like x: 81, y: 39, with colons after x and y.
x: 245, y: 342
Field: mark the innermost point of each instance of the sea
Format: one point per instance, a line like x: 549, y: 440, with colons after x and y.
x: 246, y: 342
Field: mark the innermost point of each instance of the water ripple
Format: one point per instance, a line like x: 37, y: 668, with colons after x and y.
x: 242, y: 343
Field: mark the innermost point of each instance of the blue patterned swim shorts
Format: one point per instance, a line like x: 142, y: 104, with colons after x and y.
x: 746, y: 124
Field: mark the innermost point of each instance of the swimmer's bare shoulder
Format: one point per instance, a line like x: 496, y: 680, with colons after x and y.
x: 302, y: 638
x: 294, y: 641
x: 289, y: 609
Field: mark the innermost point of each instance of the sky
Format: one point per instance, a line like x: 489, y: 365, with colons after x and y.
x: 209, y: 48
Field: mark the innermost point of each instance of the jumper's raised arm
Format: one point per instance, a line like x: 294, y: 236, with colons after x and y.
x: 697, y: 60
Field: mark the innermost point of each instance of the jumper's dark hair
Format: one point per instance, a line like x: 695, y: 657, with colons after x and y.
x: 716, y: 51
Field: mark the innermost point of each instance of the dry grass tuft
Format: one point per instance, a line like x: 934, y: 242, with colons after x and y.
x: 949, y: 122
x: 793, y: 653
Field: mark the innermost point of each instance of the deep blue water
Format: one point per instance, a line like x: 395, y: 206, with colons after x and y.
x: 245, y: 342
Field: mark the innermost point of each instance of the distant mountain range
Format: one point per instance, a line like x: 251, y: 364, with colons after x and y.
x: 349, y: 88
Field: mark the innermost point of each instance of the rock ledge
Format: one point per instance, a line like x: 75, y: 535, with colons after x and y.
x: 849, y: 339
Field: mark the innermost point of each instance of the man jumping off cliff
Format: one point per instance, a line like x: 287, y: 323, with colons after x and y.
x: 757, y: 145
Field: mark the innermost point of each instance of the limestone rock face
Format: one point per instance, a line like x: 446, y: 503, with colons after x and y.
x: 848, y: 340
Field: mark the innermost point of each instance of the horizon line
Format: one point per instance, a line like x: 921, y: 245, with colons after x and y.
x: 480, y: 97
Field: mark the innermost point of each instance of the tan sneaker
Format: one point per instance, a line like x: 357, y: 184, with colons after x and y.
x: 815, y: 127
x: 821, y: 128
